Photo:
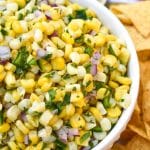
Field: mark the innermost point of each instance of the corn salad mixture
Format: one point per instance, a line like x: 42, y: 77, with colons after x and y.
x: 63, y: 76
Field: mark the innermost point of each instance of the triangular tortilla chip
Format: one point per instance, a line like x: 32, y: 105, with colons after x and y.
x: 139, y: 14
x: 140, y: 42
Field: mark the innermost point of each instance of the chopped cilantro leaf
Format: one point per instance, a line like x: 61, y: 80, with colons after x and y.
x: 84, y: 137
x: 79, y: 40
x: 1, y: 117
x: 88, y: 50
x: 88, y: 67
x: 97, y: 129
x: 67, y: 99
x: 99, y: 84
x: 20, y: 16
x: 111, y: 51
x: 106, y: 102
x: 4, y: 32
x: 81, y: 14
x: 52, y: 94
x: 60, y: 145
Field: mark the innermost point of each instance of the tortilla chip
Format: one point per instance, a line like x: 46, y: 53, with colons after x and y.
x: 125, y: 20
x: 139, y: 14
x: 138, y: 143
x: 118, y: 146
x: 140, y: 42
x: 147, y: 127
x: 144, y: 55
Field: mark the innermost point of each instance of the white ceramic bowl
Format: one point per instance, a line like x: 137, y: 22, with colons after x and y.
x: 110, y: 21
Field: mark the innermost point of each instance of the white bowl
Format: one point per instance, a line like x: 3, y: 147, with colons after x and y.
x: 110, y: 21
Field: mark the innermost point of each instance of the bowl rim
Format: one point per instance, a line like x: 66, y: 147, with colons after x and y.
x: 133, y: 71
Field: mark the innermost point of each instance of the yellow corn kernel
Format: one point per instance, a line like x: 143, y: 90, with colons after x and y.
x: 11, y: 33
x: 21, y: 146
x: 63, y: 113
x: 12, y: 145
x: 4, y: 127
x: 124, y: 56
x: 22, y: 127
x: 77, y: 121
x: 53, y: 120
x: 43, y: 80
x: 114, y: 112
x: 30, y: 148
x: 1, y: 68
x: 28, y: 84
x: 123, y: 80
x: 34, y: 97
x: 114, y: 75
x: 110, y: 60
x: 58, y: 63
x: 100, y: 68
x: 113, y: 84
x: 55, y: 14
x: 33, y: 137
x: 29, y: 126
x: 2, y: 76
x: 10, y: 80
x: 96, y: 113
x: 10, y: 67
x: 14, y: 53
x: 18, y: 135
x: 5, y: 148
x: 67, y: 38
x: 101, y: 93
x: 16, y: 96
x: 100, y: 40
x: 121, y: 91
x: 80, y: 49
x: 48, y: 28
x: 110, y: 37
x: 46, y: 87
x: 89, y: 40
x: 60, y: 93
x: 57, y: 41
x: 76, y: 96
x: 32, y: 120
x: 68, y: 50
x: 93, y: 24
x: 40, y: 146
x: 21, y: 3
x: 76, y: 24
x: 30, y: 75
x: 17, y: 28
x: 70, y: 110
x: 90, y: 13
x: 84, y: 58
x: 79, y: 111
x: 88, y: 82
x: 44, y: 7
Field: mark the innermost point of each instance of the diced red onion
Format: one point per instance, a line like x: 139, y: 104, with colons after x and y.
x: 54, y: 5
x: 48, y: 15
x: 62, y: 134
x: 41, y: 53
x: 43, y: 2
x: 3, y: 62
x: 91, y: 95
x: 94, y: 69
x: 37, y: 13
x: 23, y: 116
x: 53, y: 35
x: 86, y: 148
x: 93, y: 33
x: 5, y: 53
x: 73, y: 132
x: 26, y: 140
x: 95, y: 58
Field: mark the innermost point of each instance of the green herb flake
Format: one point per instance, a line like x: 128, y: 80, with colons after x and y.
x: 84, y: 137
x: 4, y: 32
x: 88, y: 67
x: 79, y: 40
x: 48, y: 56
x: 20, y: 16
x: 106, y: 102
x: 1, y: 117
x: 99, y: 84
x: 97, y: 129
x: 111, y: 51
x: 67, y: 99
x: 60, y: 145
x: 52, y: 94
x: 88, y: 50
x: 81, y: 14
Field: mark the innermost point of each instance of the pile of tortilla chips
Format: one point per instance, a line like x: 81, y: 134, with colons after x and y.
x: 136, y: 18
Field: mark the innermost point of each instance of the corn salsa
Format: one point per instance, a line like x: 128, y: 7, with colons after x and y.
x: 63, y: 76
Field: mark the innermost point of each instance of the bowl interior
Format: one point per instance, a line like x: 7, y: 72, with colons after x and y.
x: 114, y: 25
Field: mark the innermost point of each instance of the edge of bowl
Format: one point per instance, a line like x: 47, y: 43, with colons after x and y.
x: 113, y: 23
